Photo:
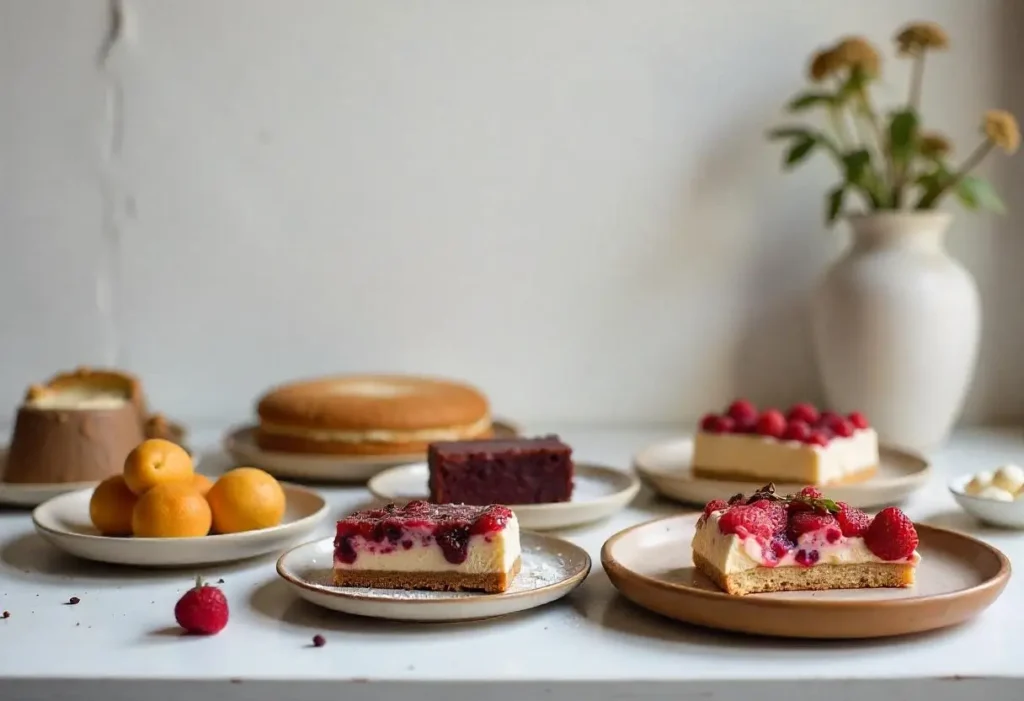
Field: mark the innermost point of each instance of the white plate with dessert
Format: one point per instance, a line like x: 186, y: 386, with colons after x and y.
x: 347, y: 428
x: 744, y: 447
x: 33, y: 494
x: 993, y: 497
x: 433, y: 562
x: 65, y: 522
x: 598, y: 492
x: 803, y: 566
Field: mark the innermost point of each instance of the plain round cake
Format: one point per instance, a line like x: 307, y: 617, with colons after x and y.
x: 370, y: 415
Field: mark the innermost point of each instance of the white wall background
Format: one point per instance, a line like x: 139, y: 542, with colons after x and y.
x: 568, y: 202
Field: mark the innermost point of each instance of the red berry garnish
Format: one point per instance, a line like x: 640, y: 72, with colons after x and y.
x: 319, y: 641
x: 891, y: 535
x: 771, y: 423
x: 818, y: 438
x: 803, y: 412
x: 714, y: 505
x: 745, y: 520
x: 796, y: 430
x: 843, y: 428
x: 858, y: 420
x: 828, y: 418
x: 852, y: 522
x: 776, y: 511
x: 811, y: 493
x: 202, y: 610
x: 709, y: 422
x: 807, y: 521
x: 742, y: 411
x: 713, y: 423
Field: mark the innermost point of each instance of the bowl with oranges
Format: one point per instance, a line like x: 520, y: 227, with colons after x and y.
x: 160, y: 512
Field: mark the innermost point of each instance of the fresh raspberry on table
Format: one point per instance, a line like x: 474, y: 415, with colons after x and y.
x: 852, y: 522
x: 746, y: 520
x: 807, y: 521
x: 891, y: 535
x: 202, y: 610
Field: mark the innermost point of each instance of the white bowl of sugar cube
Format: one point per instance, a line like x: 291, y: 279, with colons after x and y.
x: 995, y: 497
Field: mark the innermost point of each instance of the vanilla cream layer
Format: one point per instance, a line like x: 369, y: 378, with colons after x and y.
x: 730, y: 554
x: 763, y: 457
x: 492, y: 552
x: 77, y: 399
x: 426, y: 435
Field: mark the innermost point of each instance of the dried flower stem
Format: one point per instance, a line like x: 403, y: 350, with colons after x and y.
x: 969, y: 164
x: 916, y: 81
x: 871, y: 117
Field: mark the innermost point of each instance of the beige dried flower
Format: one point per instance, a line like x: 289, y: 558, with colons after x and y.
x: 933, y: 144
x: 1002, y: 130
x: 857, y: 52
x: 918, y: 37
x: 824, y: 64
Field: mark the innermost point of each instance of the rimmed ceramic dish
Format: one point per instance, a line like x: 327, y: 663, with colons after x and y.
x: 1004, y: 514
x: 598, y: 492
x: 551, y: 569
x: 240, y: 444
x: 64, y: 522
x: 958, y: 578
x: 665, y: 467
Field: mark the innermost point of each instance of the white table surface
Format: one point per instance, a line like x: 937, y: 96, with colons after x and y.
x: 121, y: 642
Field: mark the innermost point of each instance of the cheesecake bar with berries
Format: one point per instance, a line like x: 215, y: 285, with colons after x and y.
x: 440, y: 547
x: 802, y: 446
x: 768, y: 543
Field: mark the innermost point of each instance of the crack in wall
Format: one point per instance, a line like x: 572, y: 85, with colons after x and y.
x: 108, y: 283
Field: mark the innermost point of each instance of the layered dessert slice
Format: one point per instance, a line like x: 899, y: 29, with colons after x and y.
x: 802, y: 446
x: 767, y: 543
x: 507, y: 471
x: 440, y: 547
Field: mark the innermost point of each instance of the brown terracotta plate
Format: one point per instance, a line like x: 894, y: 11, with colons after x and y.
x: 958, y: 578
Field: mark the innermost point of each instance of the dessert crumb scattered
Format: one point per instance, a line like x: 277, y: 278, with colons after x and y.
x: 6, y: 614
x: 319, y: 641
x: 73, y: 600
x: 220, y: 581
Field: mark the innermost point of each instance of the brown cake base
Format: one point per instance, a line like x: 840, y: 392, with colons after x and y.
x: 281, y: 443
x: 741, y: 476
x: 763, y: 580
x: 489, y: 582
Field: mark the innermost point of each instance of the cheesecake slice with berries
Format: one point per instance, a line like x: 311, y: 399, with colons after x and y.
x: 801, y: 446
x: 439, y: 547
x: 769, y: 543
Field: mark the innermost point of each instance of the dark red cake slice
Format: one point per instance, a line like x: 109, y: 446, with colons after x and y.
x: 506, y: 471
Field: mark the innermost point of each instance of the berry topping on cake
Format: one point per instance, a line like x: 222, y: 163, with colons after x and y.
x: 797, y: 430
x: 713, y: 423
x: 809, y: 521
x: 714, y: 505
x: 858, y: 420
x: 810, y: 493
x: 803, y: 412
x: 743, y: 412
x: 771, y: 423
x: 744, y: 520
x: 776, y: 511
x: 853, y: 522
x: 891, y: 535
x: 818, y: 438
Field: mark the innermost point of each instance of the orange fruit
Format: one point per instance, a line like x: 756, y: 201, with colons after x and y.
x: 154, y: 462
x: 171, y: 510
x: 111, y: 505
x: 245, y: 499
x: 201, y: 483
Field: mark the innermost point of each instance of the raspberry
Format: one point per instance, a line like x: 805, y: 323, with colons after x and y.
x: 709, y: 422
x: 806, y: 521
x: 771, y: 423
x: 202, y: 610
x: 776, y: 512
x: 712, y: 423
x: 319, y: 641
x: 858, y: 420
x: 796, y: 430
x: 742, y: 411
x: 803, y: 412
x: 818, y: 438
x: 746, y: 520
x: 781, y: 545
x: 828, y: 418
x: 811, y: 493
x: 853, y: 522
x: 714, y: 505
x: 843, y: 428
x: 891, y: 535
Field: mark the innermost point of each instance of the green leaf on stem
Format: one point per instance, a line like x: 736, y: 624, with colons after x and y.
x: 975, y: 193
x: 807, y: 100
x: 800, y: 150
x: 835, y: 203
x: 789, y: 133
x: 855, y: 164
x: 903, y: 135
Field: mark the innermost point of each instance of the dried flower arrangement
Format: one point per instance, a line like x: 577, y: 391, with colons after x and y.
x: 895, y: 164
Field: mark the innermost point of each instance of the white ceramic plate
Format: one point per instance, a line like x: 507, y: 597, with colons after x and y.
x: 240, y: 444
x: 64, y: 522
x: 598, y: 492
x: 551, y: 568
x: 666, y: 468
x: 1004, y: 514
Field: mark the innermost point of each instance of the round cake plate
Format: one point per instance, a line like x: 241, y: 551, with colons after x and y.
x: 957, y: 579
x: 64, y: 522
x: 665, y: 467
x: 598, y: 492
x: 551, y: 568
x: 240, y: 444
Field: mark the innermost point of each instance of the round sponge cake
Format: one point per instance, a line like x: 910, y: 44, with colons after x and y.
x: 370, y: 415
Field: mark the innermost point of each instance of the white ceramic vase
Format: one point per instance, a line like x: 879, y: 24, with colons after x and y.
x: 896, y: 323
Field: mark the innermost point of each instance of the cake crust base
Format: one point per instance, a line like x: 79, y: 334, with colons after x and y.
x: 763, y: 580
x: 740, y: 476
x: 488, y: 582
x: 281, y: 443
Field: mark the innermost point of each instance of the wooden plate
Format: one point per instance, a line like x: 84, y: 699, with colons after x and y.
x: 240, y: 444
x: 665, y: 468
x: 957, y: 579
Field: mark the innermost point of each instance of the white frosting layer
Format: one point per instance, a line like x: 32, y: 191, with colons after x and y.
x: 729, y: 553
x: 77, y: 398
x: 762, y: 457
x: 493, y: 552
x: 444, y: 433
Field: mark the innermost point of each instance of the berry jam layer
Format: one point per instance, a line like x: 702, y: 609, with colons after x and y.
x: 803, y: 445
x: 422, y: 537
